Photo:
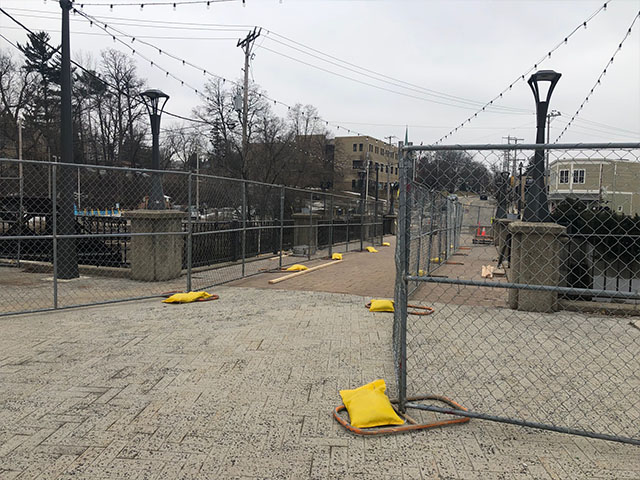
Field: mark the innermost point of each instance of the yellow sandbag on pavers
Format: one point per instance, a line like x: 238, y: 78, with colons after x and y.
x: 386, y: 244
x: 187, y: 297
x: 381, y: 306
x: 369, y: 406
x: 371, y: 250
x: 336, y: 256
x: 297, y: 268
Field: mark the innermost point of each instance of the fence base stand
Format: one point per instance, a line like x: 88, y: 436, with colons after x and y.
x: 404, y: 428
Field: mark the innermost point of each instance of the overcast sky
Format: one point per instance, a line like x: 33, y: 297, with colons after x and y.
x: 471, y: 49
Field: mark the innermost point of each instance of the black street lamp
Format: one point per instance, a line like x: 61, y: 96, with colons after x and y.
x: 536, y: 208
x: 67, y: 255
x: 155, y: 100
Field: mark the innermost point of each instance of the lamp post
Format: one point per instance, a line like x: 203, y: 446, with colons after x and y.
x: 66, y: 254
x: 155, y: 100
x: 536, y: 208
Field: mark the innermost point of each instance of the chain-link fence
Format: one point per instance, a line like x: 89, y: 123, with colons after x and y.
x: 530, y: 256
x: 79, y: 234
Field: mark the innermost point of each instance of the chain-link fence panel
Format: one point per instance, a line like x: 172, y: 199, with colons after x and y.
x: 531, y: 260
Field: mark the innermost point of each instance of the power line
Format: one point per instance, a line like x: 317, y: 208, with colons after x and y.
x: 598, y: 81
x: 142, y: 23
x: 522, y: 77
x: 98, y: 34
x: 375, y: 76
x: 92, y: 74
x: 106, y: 27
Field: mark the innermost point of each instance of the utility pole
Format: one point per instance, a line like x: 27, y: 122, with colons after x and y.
x: 550, y: 116
x: 512, y: 164
x: 390, y: 137
x: 246, y: 44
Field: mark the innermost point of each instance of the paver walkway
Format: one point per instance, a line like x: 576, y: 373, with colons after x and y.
x: 242, y: 387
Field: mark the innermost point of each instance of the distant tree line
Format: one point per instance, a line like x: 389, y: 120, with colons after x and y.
x: 111, y: 125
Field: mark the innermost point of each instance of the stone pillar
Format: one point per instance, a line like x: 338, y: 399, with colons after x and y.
x: 155, y: 258
x: 305, y: 233
x: 535, y: 260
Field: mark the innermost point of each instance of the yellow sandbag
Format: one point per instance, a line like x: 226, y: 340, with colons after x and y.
x: 369, y: 406
x: 348, y: 394
x: 186, y: 297
x: 381, y: 306
x: 336, y: 256
x: 297, y: 268
x: 386, y: 244
x: 372, y: 250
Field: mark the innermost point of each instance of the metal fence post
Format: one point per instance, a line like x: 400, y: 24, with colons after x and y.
x: 330, y: 225
x: 282, y: 193
x: 401, y: 285
x: 419, y: 249
x: 364, y: 209
x: 430, y: 245
x: 348, y: 227
x: 310, y: 233
x: 189, y: 232
x: 244, y: 224
x: 54, y: 231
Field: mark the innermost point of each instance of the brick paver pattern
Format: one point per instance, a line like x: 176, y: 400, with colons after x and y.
x: 242, y: 387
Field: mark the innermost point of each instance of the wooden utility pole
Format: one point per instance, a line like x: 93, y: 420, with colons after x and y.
x: 246, y: 44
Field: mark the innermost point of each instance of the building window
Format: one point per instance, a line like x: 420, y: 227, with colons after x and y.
x: 357, y: 164
x: 353, y: 183
x: 376, y: 150
x: 564, y: 176
x: 355, y: 147
x: 578, y: 176
x: 382, y: 151
x: 360, y: 147
x: 371, y: 148
x: 387, y: 168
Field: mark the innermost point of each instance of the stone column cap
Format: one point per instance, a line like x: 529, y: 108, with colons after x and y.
x: 155, y: 214
x: 538, y: 228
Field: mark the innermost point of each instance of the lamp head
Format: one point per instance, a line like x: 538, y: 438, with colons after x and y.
x: 154, y: 100
x: 542, y: 84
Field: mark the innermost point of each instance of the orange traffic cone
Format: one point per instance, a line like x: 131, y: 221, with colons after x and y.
x: 478, y: 231
x: 484, y: 233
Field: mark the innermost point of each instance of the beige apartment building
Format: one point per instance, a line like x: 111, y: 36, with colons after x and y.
x: 611, y: 183
x: 352, y: 156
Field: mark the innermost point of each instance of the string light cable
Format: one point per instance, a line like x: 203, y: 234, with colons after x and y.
x: 118, y: 38
x: 523, y: 76
x: 93, y: 74
x: 154, y: 4
x: 137, y: 101
x: 599, y: 79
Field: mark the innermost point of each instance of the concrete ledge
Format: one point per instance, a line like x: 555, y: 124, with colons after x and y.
x: 538, y: 228
x: 605, y: 308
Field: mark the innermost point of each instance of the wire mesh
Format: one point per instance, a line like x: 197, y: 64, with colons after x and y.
x: 530, y: 322
x: 84, y: 234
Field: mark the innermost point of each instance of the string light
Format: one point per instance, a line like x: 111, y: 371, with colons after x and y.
x: 153, y: 4
x: 598, y: 81
x: 522, y: 77
x: 184, y: 63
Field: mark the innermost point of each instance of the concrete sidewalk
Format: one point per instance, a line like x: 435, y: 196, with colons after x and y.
x: 242, y: 387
